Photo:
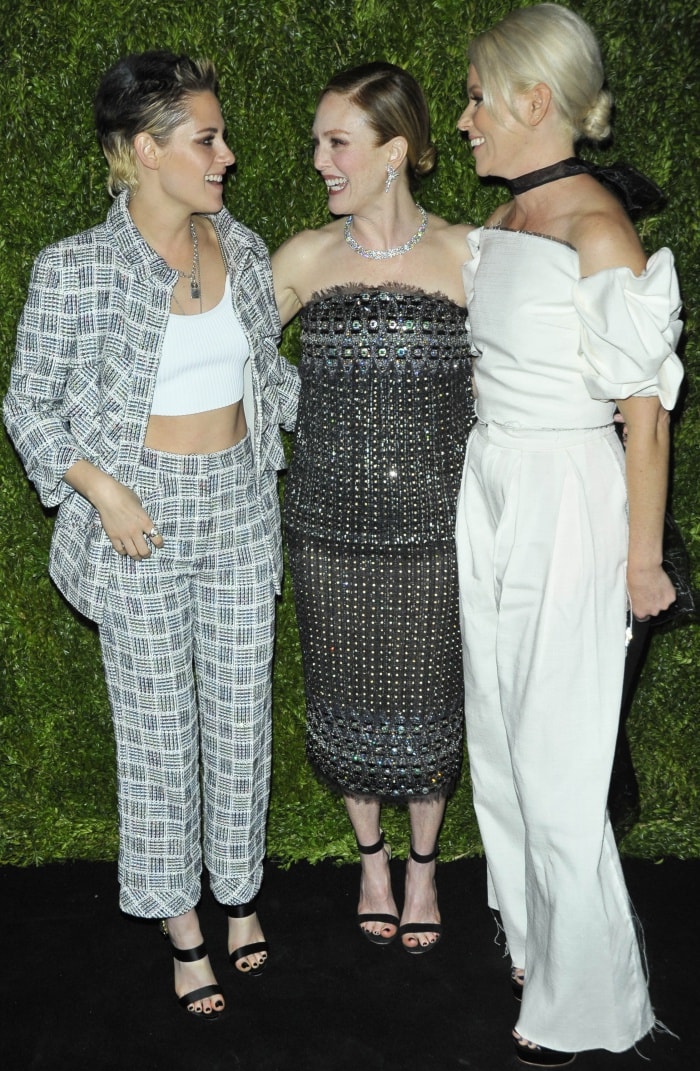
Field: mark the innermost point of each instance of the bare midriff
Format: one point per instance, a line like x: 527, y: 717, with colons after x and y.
x: 197, y: 433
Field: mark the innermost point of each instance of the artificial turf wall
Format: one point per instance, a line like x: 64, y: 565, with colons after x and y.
x: 57, y: 783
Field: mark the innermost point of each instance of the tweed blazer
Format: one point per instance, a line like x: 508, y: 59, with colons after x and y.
x: 88, y: 348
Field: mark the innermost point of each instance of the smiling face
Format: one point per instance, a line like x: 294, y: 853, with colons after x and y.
x: 499, y: 140
x: 347, y: 156
x: 193, y: 162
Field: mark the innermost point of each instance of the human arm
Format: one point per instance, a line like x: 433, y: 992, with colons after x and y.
x: 46, y: 381
x: 646, y: 462
x: 281, y: 373
x: 56, y: 405
x: 630, y: 326
x: 284, y: 262
x: 298, y: 269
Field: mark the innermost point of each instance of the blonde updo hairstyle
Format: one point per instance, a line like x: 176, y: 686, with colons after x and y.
x: 395, y: 106
x: 148, y: 92
x: 546, y: 43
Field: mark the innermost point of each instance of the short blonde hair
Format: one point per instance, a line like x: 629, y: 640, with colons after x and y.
x: 145, y: 92
x: 546, y: 43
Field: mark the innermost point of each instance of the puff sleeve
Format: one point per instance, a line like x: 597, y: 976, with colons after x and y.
x: 630, y: 326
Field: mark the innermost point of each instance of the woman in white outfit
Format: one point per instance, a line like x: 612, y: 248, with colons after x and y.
x: 559, y: 533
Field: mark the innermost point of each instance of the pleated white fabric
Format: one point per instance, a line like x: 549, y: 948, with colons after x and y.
x: 541, y: 543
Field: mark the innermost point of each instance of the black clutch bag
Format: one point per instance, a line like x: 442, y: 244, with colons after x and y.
x: 676, y: 562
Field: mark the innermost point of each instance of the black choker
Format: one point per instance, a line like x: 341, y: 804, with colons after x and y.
x: 638, y: 194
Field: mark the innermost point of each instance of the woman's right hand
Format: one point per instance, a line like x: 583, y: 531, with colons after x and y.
x: 128, y: 526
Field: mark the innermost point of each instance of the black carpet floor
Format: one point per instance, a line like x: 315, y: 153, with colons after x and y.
x: 84, y: 987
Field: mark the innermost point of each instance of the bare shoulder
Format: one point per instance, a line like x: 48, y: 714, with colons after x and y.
x: 298, y: 266
x: 451, y: 238
x: 605, y: 237
x: 307, y: 244
x: 451, y: 233
x: 499, y: 214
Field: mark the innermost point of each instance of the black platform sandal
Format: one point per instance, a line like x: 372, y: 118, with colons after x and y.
x: 387, y: 920
x: 243, y: 911
x: 539, y: 1055
x: 191, y: 955
x: 421, y: 927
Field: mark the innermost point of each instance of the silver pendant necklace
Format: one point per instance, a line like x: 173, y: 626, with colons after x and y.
x: 386, y: 254
x: 193, y: 275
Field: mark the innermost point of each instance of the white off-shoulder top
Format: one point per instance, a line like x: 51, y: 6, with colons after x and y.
x: 555, y: 350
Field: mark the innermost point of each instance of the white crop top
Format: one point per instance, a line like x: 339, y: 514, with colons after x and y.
x: 201, y: 366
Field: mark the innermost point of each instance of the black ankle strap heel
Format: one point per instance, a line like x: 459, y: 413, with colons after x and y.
x: 372, y: 849
x: 378, y: 916
x: 414, y: 928
x: 244, y: 911
x: 241, y: 911
x: 424, y: 858
x: 192, y: 955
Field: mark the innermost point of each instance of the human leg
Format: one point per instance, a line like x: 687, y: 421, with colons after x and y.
x: 559, y: 567
x: 233, y: 643
x: 495, y: 799
x: 146, y: 648
x: 420, y: 899
x: 377, y: 914
x: 195, y: 986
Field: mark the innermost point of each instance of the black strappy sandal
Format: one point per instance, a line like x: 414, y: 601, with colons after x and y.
x: 191, y: 955
x: 421, y: 927
x: 387, y: 920
x: 243, y: 911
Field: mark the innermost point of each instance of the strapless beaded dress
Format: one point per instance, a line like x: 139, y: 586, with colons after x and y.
x: 384, y: 413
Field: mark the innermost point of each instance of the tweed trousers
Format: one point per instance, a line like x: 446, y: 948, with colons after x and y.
x: 186, y: 642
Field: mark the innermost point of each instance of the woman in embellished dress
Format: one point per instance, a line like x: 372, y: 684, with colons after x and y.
x: 559, y: 535
x: 385, y: 408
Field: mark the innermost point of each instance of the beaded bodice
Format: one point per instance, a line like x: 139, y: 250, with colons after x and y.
x: 384, y: 413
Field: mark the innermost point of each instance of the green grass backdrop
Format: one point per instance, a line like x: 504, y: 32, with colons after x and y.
x: 57, y: 764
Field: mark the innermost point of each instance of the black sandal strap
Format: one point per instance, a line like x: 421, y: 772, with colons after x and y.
x: 371, y: 849
x: 248, y: 950
x: 241, y: 911
x: 378, y: 916
x: 201, y: 994
x: 420, y: 927
x: 189, y: 955
x: 425, y: 858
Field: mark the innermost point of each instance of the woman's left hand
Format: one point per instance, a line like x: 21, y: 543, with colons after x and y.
x: 650, y: 591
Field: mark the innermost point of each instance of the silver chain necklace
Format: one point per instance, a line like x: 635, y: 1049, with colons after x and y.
x: 385, y: 254
x: 193, y: 275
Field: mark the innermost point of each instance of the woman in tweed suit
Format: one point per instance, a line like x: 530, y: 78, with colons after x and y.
x: 145, y: 402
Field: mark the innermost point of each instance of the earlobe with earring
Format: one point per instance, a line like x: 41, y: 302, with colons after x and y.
x: 391, y: 174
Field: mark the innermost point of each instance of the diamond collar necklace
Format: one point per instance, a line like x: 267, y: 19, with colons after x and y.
x: 385, y: 254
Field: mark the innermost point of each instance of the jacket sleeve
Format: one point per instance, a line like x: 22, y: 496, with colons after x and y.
x: 289, y: 394
x: 285, y: 374
x: 37, y: 405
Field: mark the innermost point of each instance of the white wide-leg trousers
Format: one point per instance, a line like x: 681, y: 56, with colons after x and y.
x: 541, y: 546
